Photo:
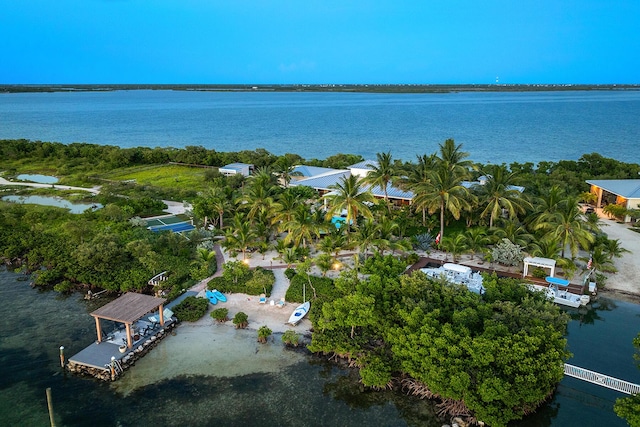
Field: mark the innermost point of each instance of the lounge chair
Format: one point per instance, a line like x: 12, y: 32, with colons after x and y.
x: 263, y: 299
x: 280, y: 303
x: 166, y: 314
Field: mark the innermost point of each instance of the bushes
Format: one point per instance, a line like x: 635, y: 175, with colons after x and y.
x: 241, y: 320
x: 253, y: 282
x: 290, y: 338
x: 263, y: 334
x: 220, y: 314
x: 191, y: 309
x: 322, y: 285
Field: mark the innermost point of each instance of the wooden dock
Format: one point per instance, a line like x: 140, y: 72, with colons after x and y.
x: 107, y: 359
x: 424, y: 261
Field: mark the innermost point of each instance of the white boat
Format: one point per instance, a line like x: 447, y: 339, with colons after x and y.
x: 561, y: 297
x: 299, y: 313
x: 458, y: 274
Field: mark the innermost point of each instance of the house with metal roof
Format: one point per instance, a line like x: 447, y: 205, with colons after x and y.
x: 244, y: 169
x: 623, y: 192
x: 324, y: 181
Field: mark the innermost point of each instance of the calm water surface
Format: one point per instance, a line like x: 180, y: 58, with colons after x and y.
x: 74, y: 208
x: 307, y: 392
x: 494, y: 127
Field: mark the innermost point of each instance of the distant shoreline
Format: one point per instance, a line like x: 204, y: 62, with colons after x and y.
x: 355, y: 88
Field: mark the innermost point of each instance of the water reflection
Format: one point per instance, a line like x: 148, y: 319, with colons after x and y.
x: 40, y: 179
x: 75, y: 208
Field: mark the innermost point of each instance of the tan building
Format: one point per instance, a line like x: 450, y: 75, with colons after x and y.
x: 623, y: 192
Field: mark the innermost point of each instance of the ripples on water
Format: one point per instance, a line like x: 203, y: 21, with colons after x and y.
x: 295, y: 390
x: 494, y: 127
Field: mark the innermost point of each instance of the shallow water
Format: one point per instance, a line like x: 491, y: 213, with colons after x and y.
x: 41, y: 179
x: 74, y: 208
x: 187, y: 381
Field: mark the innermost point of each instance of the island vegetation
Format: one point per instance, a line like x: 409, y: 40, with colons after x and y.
x: 492, y: 358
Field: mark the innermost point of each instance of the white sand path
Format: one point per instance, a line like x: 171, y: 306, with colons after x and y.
x: 627, y: 279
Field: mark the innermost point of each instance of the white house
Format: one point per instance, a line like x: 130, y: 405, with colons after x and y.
x: 236, y: 168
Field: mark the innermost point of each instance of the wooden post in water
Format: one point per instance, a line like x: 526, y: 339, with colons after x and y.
x: 62, y: 356
x: 50, y: 406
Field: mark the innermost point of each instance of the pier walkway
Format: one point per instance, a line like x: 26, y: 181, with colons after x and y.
x: 601, y: 379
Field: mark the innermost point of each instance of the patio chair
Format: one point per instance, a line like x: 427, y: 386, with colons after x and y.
x: 263, y: 299
x: 280, y: 303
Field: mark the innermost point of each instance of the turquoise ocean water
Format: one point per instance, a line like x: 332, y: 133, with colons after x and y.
x: 494, y: 127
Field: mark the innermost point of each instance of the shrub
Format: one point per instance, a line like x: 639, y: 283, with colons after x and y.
x: 220, y: 314
x: 191, y: 309
x: 241, y: 320
x: 290, y: 338
x: 289, y: 273
x: 255, y: 282
x: 263, y: 334
x: 538, y: 272
x: 323, y: 287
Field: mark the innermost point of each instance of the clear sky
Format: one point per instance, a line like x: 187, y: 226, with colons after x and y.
x: 325, y: 41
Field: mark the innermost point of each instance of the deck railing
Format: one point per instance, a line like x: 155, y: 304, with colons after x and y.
x: 601, y: 379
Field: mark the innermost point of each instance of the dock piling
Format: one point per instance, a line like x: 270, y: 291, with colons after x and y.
x: 50, y: 406
x: 62, y: 356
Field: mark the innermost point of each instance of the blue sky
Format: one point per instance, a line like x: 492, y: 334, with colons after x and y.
x: 308, y: 41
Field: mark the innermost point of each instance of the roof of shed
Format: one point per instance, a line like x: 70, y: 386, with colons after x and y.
x: 129, y: 307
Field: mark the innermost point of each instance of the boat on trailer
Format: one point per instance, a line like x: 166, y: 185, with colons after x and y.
x: 457, y: 274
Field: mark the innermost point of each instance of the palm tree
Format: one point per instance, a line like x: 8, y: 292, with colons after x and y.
x: 455, y: 245
x: 612, y: 248
x: 498, y: 193
x: 444, y: 192
x: 366, y: 235
x: 284, y: 208
x: 301, y: 227
x: 258, y: 199
x: 383, y: 174
x: 240, y: 236
x: 476, y: 239
x: 568, y: 225
x: 514, y: 231
x: 547, y: 247
x: 417, y: 177
x: 349, y: 195
x: 452, y: 156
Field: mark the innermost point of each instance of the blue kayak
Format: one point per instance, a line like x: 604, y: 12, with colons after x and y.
x: 219, y: 295
x: 557, y: 281
x: 212, y: 297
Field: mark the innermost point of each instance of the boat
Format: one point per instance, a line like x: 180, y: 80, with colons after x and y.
x: 299, y: 313
x: 556, y: 281
x: 212, y: 297
x: 562, y: 297
x: 457, y: 274
x: 219, y: 295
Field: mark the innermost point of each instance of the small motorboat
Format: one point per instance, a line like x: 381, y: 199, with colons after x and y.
x: 212, y: 297
x: 219, y: 295
x: 299, y: 313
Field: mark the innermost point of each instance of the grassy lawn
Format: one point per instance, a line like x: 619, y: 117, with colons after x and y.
x: 164, y: 176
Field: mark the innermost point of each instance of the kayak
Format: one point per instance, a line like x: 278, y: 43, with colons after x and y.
x: 219, y: 295
x: 212, y: 297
